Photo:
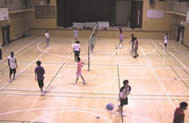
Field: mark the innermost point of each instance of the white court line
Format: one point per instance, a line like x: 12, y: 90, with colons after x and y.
x: 18, y: 51
x: 75, y: 109
x: 155, y: 47
x: 65, y: 109
x: 25, y: 68
x: 87, y: 92
x: 157, y: 77
x: 176, y: 58
x: 61, y: 56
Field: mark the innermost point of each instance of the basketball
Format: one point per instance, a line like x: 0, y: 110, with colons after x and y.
x: 109, y: 107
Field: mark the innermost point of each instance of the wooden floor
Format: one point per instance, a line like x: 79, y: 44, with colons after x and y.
x: 159, y: 80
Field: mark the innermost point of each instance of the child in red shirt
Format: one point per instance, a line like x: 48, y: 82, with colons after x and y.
x: 179, y: 113
x: 79, y: 73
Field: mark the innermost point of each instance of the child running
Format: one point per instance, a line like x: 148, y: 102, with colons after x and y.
x: 79, y: 73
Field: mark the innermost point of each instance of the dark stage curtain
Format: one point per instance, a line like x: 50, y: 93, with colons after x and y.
x: 64, y: 16
x: 69, y: 11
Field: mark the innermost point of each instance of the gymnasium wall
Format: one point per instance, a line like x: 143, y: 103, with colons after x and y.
x: 157, y: 24
x: 186, y: 35
x: 160, y: 25
x: 44, y: 22
x: 1, y: 33
x: 20, y: 24
x: 1, y: 37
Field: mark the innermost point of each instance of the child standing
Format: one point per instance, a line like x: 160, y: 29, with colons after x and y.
x: 76, y: 34
x: 12, y: 63
x: 166, y: 40
x: 132, y: 42
x: 123, y: 95
x: 47, y: 38
x: 121, y: 38
x: 39, y: 76
x: 76, y: 49
x: 79, y: 73
x: 135, y: 47
x: 1, y: 53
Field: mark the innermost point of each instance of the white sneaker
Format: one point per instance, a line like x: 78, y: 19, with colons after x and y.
x: 124, y: 115
x: 42, y: 94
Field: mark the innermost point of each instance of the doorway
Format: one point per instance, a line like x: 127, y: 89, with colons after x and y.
x: 6, y: 35
x: 136, y: 14
x: 180, y: 33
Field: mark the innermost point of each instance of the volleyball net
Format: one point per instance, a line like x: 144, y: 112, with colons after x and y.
x: 91, y: 44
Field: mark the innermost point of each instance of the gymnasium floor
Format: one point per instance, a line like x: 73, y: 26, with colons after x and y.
x: 159, y: 81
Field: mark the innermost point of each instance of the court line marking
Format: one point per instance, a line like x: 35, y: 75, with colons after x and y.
x: 57, y: 72
x: 19, y: 121
x: 102, y: 97
x: 160, y: 81
x: 72, y: 109
x: 154, y: 44
x: 61, y: 56
x: 181, y: 63
x: 94, y: 93
x: 20, y: 50
x: 7, y: 83
x: 176, y: 58
x: 179, y: 76
x: 87, y: 110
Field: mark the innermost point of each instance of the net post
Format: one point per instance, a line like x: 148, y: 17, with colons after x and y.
x: 88, y: 55
x: 121, y: 112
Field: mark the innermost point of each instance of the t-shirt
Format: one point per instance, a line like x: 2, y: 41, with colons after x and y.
x: 47, y: 35
x: 39, y: 70
x: 79, y: 66
x: 76, y: 46
x: 121, y: 37
x: 178, y: 116
x: 76, y: 33
x: 0, y: 54
x: 136, y: 44
x: 12, y: 62
x: 133, y: 40
x: 124, y: 92
x: 165, y: 39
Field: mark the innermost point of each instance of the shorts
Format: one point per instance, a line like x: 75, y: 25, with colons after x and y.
x: 78, y: 74
x: 47, y: 40
x: 0, y: 54
x: 12, y: 70
x: 40, y: 83
x: 123, y: 101
x: 77, y: 53
x: 165, y: 44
